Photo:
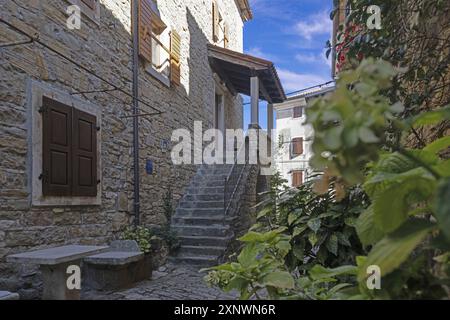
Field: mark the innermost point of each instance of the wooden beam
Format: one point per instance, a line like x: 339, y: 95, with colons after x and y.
x: 264, y: 92
x: 216, y: 67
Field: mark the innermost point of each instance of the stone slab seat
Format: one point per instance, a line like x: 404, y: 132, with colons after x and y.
x: 114, y: 258
x: 6, y: 295
x: 118, y: 268
x: 54, y: 263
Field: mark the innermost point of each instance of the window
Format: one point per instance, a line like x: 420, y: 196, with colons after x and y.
x: 298, y: 112
x: 69, y: 151
x: 221, y: 28
x: 297, y: 178
x: 159, y: 46
x: 296, y: 147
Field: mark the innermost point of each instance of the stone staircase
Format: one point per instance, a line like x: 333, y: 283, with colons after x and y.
x: 203, y: 229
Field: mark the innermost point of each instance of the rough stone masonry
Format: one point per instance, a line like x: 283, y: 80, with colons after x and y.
x: 103, y: 44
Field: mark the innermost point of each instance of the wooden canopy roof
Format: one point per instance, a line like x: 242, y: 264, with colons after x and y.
x: 236, y: 69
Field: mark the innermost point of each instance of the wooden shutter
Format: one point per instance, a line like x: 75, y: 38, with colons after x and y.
x: 175, y: 58
x: 215, y: 21
x: 226, y: 35
x: 89, y: 3
x: 145, y: 30
x: 84, y: 152
x: 297, y: 146
x: 298, y: 111
x: 297, y: 178
x: 57, y: 148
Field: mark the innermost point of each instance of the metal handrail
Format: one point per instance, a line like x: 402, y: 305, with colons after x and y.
x: 227, y: 202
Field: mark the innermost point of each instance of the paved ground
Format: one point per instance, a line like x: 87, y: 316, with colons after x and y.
x: 169, y: 283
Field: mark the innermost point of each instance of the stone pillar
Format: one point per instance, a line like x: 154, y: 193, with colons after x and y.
x: 55, y: 282
x: 254, y: 92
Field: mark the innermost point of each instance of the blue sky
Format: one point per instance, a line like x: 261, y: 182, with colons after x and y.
x: 292, y: 34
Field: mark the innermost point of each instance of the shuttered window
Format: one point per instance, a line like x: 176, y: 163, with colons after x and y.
x: 296, y: 147
x: 216, y: 21
x: 84, y: 154
x: 57, y: 149
x: 175, y: 56
x: 298, y: 112
x: 226, y: 35
x: 69, y: 151
x: 297, y: 178
x: 145, y: 30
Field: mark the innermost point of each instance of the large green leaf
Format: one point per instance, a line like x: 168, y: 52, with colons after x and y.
x: 429, y: 118
x: 314, y: 224
x: 368, y: 232
x: 247, y: 257
x: 279, y: 279
x: 394, y: 249
x: 391, y: 206
x: 237, y: 283
x: 438, y: 145
x: 443, y: 207
x: 443, y: 168
x: 319, y: 272
x: 332, y: 244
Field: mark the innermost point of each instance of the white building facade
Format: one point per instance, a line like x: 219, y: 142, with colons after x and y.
x: 294, y: 136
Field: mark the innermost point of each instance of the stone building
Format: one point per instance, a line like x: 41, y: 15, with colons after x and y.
x: 66, y: 118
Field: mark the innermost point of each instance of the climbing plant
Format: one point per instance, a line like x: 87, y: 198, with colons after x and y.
x: 414, y: 36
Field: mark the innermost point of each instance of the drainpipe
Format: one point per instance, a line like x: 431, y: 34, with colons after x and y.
x: 135, y: 33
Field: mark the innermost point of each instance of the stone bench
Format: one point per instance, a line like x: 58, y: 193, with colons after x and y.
x: 54, y: 264
x: 6, y: 295
x: 118, y: 268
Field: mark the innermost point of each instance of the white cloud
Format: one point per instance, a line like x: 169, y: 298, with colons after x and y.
x: 257, y: 52
x: 293, y: 81
x: 314, y: 58
x: 313, y: 25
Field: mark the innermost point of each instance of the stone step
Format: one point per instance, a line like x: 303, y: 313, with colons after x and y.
x: 203, y: 197
x: 203, y: 212
x: 202, y: 261
x: 202, y: 221
x: 191, y: 230
x: 204, y: 241
x: 216, y: 170
x: 201, y: 250
x: 214, y: 176
x: 205, y: 190
x: 207, y: 183
x: 201, y: 204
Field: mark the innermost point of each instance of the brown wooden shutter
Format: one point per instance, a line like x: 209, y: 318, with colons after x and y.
x: 84, y: 154
x: 175, y: 58
x: 226, y: 35
x: 89, y: 3
x: 57, y: 148
x: 298, y: 111
x: 297, y: 146
x: 145, y: 30
x: 215, y: 21
x: 297, y: 178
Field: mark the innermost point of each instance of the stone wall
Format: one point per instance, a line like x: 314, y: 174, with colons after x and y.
x: 104, y: 46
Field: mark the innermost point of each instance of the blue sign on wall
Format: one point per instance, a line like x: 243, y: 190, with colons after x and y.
x: 149, y: 167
